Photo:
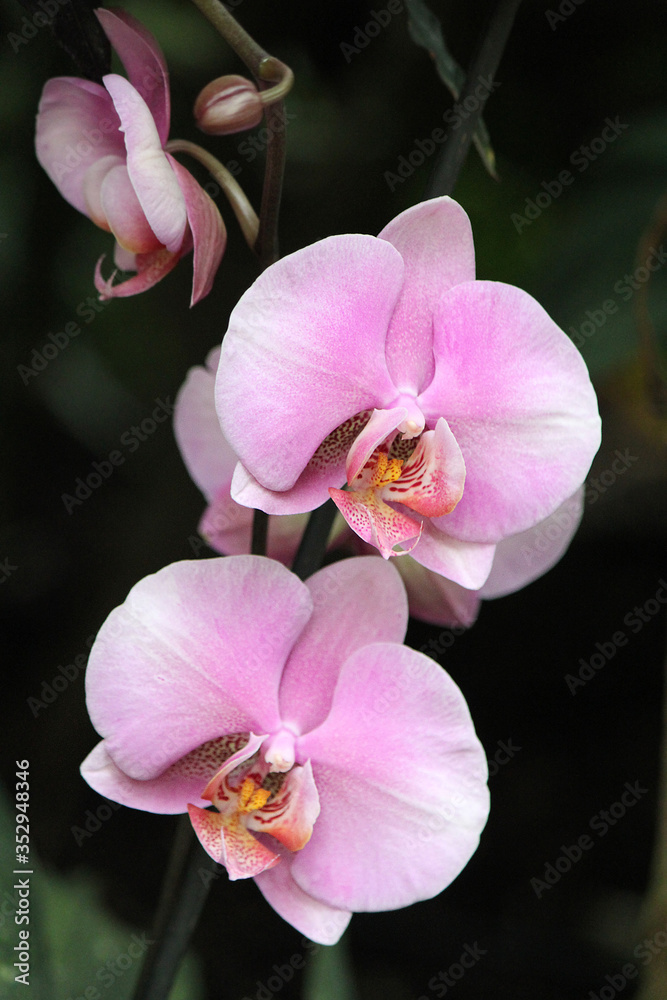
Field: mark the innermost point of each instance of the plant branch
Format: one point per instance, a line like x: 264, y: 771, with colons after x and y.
x: 484, y: 65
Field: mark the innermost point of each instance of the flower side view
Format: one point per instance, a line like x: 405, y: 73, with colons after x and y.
x: 229, y: 683
x: 104, y: 149
x: 453, y: 413
x: 227, y: 526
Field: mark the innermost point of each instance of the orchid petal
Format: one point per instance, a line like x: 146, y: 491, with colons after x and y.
x: 339, y: 294
x: 466, y: 563
x: 203, y: 447
x: 169, y: 672
x: 374, y: 521
x: 124, y: 214
x: 77, y: 125
x: 435, y: 599
x: 151, y: 267
x: 380, y: 426
x: 289, y: 815
x: 423, y: 800
x: 312, y: 917
x: 92, y: 189
x: 365, y: 593
x: 524, y: 557
x: 520, y: 404
x: 432, y: 479
x: 144, y: 63
x: 151, y: 173
x: 434, y: 239
x: 209, y: 236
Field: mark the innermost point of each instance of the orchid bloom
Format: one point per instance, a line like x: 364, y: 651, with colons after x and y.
x: 104, y: 149
x: 227, y: 526
x: 229, y: 683
x: 454, y: 412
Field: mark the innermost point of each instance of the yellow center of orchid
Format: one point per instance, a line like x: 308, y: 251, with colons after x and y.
x: 387, y: 470
x: 251, y: 796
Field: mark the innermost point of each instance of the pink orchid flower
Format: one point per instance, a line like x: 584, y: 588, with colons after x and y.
x: 454, y: 411
x: 227, y: 526
x: 104, y: 149
x: 228, y: 682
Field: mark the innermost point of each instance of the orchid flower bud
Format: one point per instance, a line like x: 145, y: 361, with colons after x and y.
x: 228, y: 104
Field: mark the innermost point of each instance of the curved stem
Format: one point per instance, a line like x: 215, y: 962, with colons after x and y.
x: 243, y: 210
x: 266, y: 246
x: 485, y: 63
x: 245, y: 47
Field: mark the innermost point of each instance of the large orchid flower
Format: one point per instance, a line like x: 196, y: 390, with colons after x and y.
x: 227, y: 526
x: 230, y: 683
x: 104, y: 149
x: 454, y: 412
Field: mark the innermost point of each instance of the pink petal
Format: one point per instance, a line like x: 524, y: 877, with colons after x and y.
x: 364, y: 592
x: 435, y: 241
x: 144, y: 63
x: 151, y: 173
x: 317, y: 920
x: 466, y: 563
x: 289, y: 816
x: 77, y: 125
x: 524, y: 557
x: 92, y: 188
x: 203, y: 447
x: 181, y: 783
x: 124, y: 214
x: 432, y: 479
x: 402, y: 783
x: 311, y: 489
x: 379, y: 427
x: 517, y: 396
x: 374, y: 521
x: 435, y: 599
x: 209, y: 236
x: 151, y: 267
x: 336, y: 297
x: 175, y: 665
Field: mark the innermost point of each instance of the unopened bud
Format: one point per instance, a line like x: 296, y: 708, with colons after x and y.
x: 228, y: 104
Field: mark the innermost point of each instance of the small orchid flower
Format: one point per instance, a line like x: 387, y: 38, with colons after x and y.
x: 453, y: 413
x: 259, y: 703
x: 104, y: 149
x: 227, y: 526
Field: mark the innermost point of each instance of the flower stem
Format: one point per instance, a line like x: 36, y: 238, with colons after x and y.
x: 273, y: 76
x: 314, y: 541
x: 260, y: 531
x: 243, y: 210
x: 189, y: 875
x: 654, y: 917
x: 485, y: 63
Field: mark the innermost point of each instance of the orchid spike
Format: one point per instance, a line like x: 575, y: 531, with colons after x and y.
x: 104, y: 149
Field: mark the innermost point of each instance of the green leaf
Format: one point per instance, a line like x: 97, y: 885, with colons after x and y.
x: 329, y: 974
x: 74, y: 944
x: 425, y: 30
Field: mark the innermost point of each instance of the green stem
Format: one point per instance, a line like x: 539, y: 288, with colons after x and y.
x: 226, y: 25
x: 266, y: 246
x: 243, y: 210
x: 189, y: 875
x: 314, y: 541
x: 485, y: 63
